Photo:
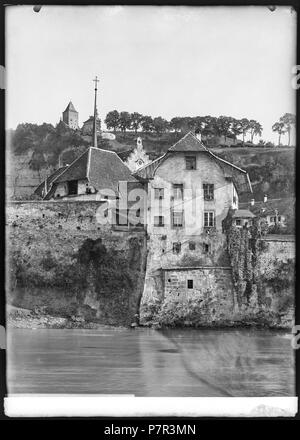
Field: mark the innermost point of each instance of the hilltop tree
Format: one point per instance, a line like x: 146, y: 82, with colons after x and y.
x: 245, y: 125
x: 160, y: 125
x: 223, y: 125
x: 147, y: 123
x: 112, y: 120
x: 254, y: 128
x: 124, y: 121
x: 176, y: 123
x: 236, y: 127
x: 288, y: 119
x: 136, y: 119
x: 280, y: 128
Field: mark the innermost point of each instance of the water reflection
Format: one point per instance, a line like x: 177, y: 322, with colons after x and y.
x: 146, y: 362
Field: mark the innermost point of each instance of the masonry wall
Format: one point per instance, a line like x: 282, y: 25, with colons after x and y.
x: 43, y: 241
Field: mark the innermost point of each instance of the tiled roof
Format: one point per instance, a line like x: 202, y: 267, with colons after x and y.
x: 103, y: 168
x: 76, y: 170
x: 40, y: 189
x: 125, y: 154
x: 268, y: 208
x: 189, y: 143
x: 242, y: 213
x: 70, y: 108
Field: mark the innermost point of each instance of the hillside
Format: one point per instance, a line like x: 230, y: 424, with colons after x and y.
x: 34, y: 156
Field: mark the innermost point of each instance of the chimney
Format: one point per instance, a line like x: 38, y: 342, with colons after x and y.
x: 252, y: 202
x: 265, y: 198
x: 198, y: 135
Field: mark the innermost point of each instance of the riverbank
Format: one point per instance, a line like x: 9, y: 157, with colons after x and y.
x: 32, y: 319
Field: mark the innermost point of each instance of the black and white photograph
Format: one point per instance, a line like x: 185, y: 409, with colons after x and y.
x: 150, y: 211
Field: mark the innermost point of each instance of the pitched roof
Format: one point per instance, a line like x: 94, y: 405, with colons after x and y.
x: 40, y: 189
x: 103, y: 168
x: 188, y: 144
x: 70, y: 108
x: 242, y: 213
x: 125, y: 154
x: 268, y: 208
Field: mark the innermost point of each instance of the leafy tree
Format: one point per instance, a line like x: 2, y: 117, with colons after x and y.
x: 147, y: 123
x: 176, y: 123
x: 112, y: 120
x: 124, y: 121
x: 223, y: 125
x: 245, y: 126
x: 288, y: 119
x: 136, y: 119
x: 236, y: 127
x: 160, y: 125
x: 254, y: 128
x: 280, y: 128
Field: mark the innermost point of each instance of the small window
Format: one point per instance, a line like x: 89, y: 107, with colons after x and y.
x: 208, y: 191
x: 158, y: 220
x: 209, y: 219
x: 206, y: 248
x: 192, y: 245
x: 177, y: 219
x: 272, y: 219
x: 176, y: 248
x: 159, y: 193
x: 178, y: 191
x: 190, y: 162
x: 190, y: 284
x: 238, y: 222
x: 279, y: 218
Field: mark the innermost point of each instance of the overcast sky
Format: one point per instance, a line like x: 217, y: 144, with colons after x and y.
x: 161, y: 61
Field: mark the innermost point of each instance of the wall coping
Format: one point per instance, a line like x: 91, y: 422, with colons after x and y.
x: 195, y: 267
x: 47, y: 202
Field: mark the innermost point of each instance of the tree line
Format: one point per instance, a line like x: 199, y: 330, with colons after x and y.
x: 206, y: 125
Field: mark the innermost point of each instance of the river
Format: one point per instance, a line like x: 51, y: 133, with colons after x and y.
x: 146, y: 362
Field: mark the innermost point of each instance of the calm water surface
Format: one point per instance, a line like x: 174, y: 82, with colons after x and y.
x: 145, y: 362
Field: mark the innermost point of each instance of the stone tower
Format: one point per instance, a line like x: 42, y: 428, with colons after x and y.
x: 70, y: 116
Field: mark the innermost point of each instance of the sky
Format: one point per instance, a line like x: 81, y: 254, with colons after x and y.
x: 156, y: 60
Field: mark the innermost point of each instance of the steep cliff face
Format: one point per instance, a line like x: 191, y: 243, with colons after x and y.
x: 59, y: 257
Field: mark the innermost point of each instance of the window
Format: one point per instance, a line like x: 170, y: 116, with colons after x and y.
x: 209, y: 219
x: 190, y: 284
x: 72, y: 187
x: 158, y: 220
x: 178, y: 191
x: 272, y: 219
x: 192, y: 245
x: 279, y: 218
x: 158, y: 193
x: 238, y: 222
x: 206, y: 248
x: 190, y: 162
x: 177, y: 219
x: 176, y: 248
x: 208, y: 191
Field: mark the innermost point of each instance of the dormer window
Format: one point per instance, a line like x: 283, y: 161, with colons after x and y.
x: 190, y: 162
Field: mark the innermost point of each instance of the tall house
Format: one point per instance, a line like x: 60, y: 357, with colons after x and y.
x: 190, y: 192
x: 70, y: 116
